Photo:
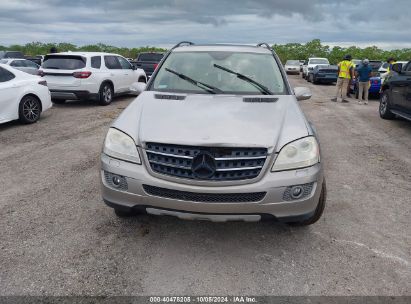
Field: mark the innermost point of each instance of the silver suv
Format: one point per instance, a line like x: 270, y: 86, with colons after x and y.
x: 216, y: 135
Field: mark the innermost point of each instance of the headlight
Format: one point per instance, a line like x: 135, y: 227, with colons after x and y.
x: 301, y: 153
x: 120, y: 145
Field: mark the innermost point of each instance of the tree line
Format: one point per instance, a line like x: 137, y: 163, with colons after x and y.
x: 287, y: 51
x: 335, y: 54
x: 39, y: 48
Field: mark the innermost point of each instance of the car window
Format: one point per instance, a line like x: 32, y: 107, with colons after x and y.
x: 64, y: 62
x: 30, y: 64
x: 5, y: 75
x: 96, y: 62
x: 125, y: 65
x: 262, y: 68
x: 17, y: 63
x: 112, y: 63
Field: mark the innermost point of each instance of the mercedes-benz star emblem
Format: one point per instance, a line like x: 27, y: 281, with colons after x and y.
x: 203, y: 165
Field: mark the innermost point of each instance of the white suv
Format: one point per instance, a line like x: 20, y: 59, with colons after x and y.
x: 87, y: 75
x: 312, y: 63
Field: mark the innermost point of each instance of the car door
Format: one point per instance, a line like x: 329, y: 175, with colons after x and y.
x: 399, y: 84
x: 129, y: 75
x: 406, y: 89
x: 116, y: 73
x: 8, y: 96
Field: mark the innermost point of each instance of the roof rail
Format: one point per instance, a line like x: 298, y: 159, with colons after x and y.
x: 265, y: 44
x: 181, y: 43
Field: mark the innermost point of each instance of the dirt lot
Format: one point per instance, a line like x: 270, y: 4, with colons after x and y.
x: 58, y: 238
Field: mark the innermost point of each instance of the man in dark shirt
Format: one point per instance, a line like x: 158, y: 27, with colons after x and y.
x: 363, y: 73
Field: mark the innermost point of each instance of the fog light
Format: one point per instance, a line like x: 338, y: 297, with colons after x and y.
x: 296, y: 192
x: 116, y: 180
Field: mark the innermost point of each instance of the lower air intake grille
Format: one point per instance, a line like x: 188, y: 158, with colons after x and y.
x: 205, y: 197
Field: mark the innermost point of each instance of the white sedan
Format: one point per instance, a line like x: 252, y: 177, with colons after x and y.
x: 22, y: 96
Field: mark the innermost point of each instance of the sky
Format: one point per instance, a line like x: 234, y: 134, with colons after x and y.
x: 134, y: 23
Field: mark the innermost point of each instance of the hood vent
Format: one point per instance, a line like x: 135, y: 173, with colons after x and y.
x: 259, y: 99
x: 169, y: 97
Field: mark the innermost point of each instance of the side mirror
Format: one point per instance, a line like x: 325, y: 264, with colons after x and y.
x: 133, y: 67
x: 397, y: 67
x: 138, y: 87
x: 302, y: 93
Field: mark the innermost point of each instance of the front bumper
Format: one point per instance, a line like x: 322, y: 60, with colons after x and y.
x: 272, y: 205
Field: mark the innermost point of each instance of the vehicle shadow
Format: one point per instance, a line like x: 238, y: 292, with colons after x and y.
x: 152, y: 226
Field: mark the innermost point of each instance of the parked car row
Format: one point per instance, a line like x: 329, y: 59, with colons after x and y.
x: 394, y: 91
x: 62, y: 77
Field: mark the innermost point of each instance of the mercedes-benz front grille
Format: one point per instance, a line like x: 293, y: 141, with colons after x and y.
x: 206, y: 163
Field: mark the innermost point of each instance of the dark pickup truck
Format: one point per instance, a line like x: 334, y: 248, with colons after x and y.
x: 396, y: 93
x: 148, y: 62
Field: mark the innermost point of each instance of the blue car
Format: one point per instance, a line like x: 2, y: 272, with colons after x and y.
x: 375, y: 81
x: 375, y: 86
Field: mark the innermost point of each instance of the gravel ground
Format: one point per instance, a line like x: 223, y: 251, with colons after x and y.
x: 58, y: 238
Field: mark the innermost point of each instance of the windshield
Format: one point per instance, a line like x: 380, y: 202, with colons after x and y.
x: 292, y: 62
x: 375, y: 65
x: 319, y: 61
x: 200, y: 66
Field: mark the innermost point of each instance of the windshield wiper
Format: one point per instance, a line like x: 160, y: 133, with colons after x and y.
x: 263, y: 89
x: 204, y: 86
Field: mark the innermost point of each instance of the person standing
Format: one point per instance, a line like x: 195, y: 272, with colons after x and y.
x: 390, y: 62
x: 363, y: 73
x: 345, y: 74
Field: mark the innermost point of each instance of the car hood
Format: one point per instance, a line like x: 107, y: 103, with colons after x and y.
x: 213, y: 120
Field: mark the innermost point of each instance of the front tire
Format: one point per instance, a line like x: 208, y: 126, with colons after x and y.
x: 385, y: 109
x: 106, y: 94
x: 29, y: 109
x: 318, y: 211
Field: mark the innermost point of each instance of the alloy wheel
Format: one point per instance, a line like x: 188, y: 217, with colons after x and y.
x: 107, y: 94
x: 31, y: 109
